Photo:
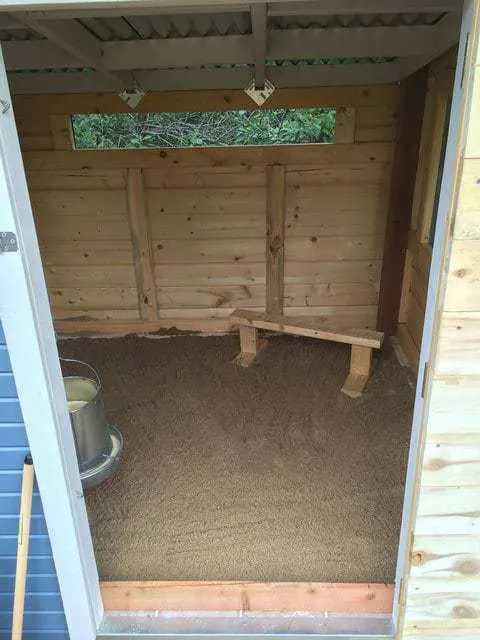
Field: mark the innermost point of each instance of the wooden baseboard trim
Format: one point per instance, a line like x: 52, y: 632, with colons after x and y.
x: 311, y: 597
x: 98, y: 328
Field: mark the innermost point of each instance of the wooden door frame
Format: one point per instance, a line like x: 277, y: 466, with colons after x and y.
x: 452, y: 173
x: 31, y: 341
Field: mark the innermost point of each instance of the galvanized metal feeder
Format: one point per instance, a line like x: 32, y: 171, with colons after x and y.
x: 99, y: 445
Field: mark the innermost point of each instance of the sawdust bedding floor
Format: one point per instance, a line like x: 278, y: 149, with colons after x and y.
x: 268, y: 473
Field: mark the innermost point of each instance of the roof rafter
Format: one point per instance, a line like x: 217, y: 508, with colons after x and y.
x: 292, y: 44
x: 259, y: 32
x: 448, y: 32
x: 77, y: 42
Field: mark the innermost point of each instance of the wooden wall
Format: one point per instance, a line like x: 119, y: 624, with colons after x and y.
x: 442, y: 587
x: 419, y: 250
x: 177, y: 237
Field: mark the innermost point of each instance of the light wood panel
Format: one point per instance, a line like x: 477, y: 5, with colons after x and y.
x: 172, y: 101
x: 441, y: 588
x: 400, y: 201
x: 204, y: 217
x: 162, y: 159
x: 419, y: 250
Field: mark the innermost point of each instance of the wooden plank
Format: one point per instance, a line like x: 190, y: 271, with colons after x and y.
x: 90, y: 298
x: 408, y: 346
x: 303, y: 199
x: 407, y: 278
x: 375, y: 123
x: 250, y: 295
x: 451, y: 465
x: 433, y: 162
x: 141, y: 245
x: 359, y: 337
x: 76, y: 179
x: 250, y: 175
x: 120, y: 322
x: 237, y: 273
x: 448, y: 511
x: 401, y: 200
x: 463, y: 284
x: 345, y: 125
x: 81, y: 228
x: 459, y: 344
x: 360, y: 364
x: 101, y: 203
x: 448, y: 394
x: 423, y: 155
x: 415, y: 320
x: 252, y: 596
x: 110, y: 326
x: 472, y: 149
x: 162, y: 159
x: 86, y: 253
x: 275, y: 239
x: 248, y: 251
x: 467, y: 225
x: 36, y: 143
x: 180, y: 101
x: 80, y: 276
x: 453, y: 558
x: 249, y: 224
x: 62, y: 132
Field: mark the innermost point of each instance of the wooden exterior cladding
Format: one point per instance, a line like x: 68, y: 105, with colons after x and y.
x: 441, y: 587
x: 149, y: 239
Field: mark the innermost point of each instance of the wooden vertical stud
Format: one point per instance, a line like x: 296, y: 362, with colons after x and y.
x: 401, y: 201
x: 142, y: 246
x: 62, y: 132
x: 345, y: 125
x: 276, y: 181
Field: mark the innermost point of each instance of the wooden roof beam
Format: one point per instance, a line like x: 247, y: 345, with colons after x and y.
x: 347, y: 7
x: 425, y: 42
x: 259, y: 32
x: 206, y: 79
x: 102, y: 8
x: 448, y: 34
x: 73, y: 39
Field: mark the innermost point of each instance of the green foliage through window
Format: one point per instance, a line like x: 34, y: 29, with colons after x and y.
x: 203, y: 129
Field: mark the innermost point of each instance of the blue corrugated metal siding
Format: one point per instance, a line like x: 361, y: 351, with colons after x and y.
x: 44, y: 618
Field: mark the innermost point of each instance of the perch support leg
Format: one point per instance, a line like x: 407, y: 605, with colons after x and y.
x: 249, y: 346
x: 360, y: 365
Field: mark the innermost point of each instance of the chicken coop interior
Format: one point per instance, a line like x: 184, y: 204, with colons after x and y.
x: 254, y: 312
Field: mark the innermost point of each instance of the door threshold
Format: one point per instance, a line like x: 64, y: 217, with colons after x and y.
x: 240, y: 625
x: 249, y: 596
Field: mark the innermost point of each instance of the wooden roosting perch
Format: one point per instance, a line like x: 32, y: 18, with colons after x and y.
x: 363, y: 341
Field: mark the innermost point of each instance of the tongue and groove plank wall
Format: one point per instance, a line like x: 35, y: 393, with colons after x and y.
x: 419, y: 251
x: 149, y: 239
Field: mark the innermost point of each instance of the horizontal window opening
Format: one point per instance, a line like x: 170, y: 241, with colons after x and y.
x: 203, y: 129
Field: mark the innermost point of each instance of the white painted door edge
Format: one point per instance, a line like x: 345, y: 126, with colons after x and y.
x: 434, y: 302
x: 27, y: 323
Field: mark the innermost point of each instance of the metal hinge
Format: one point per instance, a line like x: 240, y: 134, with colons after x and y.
x: 8, y: 242
x: 424, y: 381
